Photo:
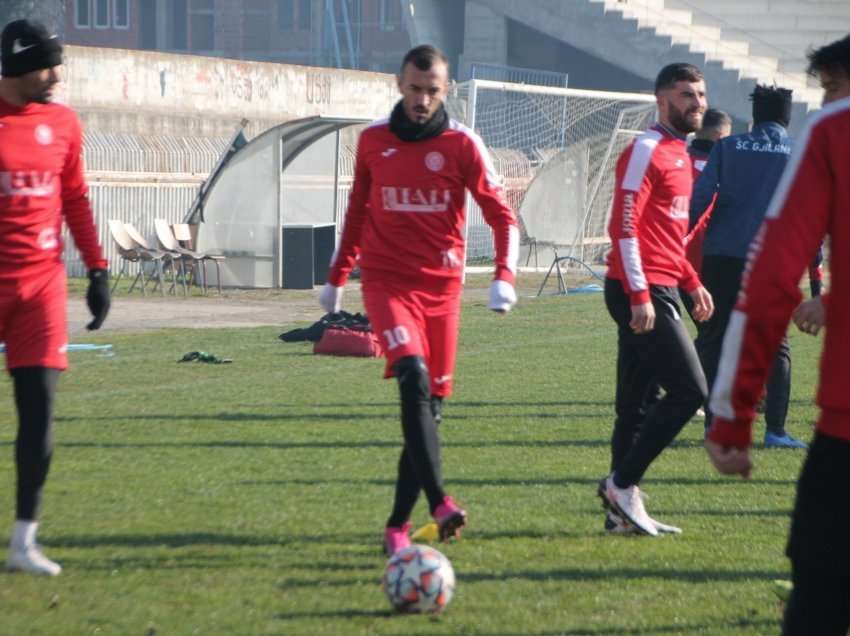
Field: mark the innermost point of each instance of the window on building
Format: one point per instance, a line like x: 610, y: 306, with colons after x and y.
x: 178, y: 36
x: 82, y: 14
x: 121, y: 14
x: 305, y: 15
x: 390, y: 14
x: 202, y: 25
x: 285, y: 15
x: 147, y: 24
x: 101, y: 14
x: 256, y: 26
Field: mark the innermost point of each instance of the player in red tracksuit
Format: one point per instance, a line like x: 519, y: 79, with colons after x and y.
x: 646, y: 266
x: 41, y: 184
x: 811, y: 201
x: 405, y: 223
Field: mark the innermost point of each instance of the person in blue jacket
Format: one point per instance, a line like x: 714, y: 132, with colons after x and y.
x: 744, y: 171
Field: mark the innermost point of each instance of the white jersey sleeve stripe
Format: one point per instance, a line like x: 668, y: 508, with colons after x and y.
x: 493, y: 178
x: 632, y: 266
x: 721, y: 395
x: 639, y: 160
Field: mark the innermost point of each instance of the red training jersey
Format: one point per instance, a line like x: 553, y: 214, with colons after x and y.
x: 811, y: 201
x: 649, y: 216
x: 41, y: 181
x: 407, y: 208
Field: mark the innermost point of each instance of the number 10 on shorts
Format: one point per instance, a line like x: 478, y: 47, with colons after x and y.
x: 396, y: 336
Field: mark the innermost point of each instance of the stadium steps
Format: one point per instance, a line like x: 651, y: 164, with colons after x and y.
x: 723, y: 31
x: 641, y: 36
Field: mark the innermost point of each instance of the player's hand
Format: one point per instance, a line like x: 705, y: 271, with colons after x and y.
x: 703, y: 304
x: 502, y: 296
x: 810, y: 316
x: 730, y: 461
x: 330, y: 298
x: 643, y: 318
x: 97, y: 297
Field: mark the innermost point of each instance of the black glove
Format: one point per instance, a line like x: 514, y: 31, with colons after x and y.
x: 97, y: 297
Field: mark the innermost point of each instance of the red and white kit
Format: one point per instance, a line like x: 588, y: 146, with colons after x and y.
x: 405, y: 222
x: 649, y: 217
x: 41, y: 183
x: 810, y: 202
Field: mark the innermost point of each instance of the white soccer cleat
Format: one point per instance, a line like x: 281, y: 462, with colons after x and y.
x: 663, y: 528
x: 628, y: 503
x: 33, y: 561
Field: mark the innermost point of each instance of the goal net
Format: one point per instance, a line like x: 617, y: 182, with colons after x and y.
x: 555, y: 149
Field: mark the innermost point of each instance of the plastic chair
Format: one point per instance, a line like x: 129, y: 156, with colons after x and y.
x: 169, y: 241
x: 130, y: 252
x: 168, y: 258
x: 183, y: 234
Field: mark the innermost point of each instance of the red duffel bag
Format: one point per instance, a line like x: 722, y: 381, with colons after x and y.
x: 349, y: 341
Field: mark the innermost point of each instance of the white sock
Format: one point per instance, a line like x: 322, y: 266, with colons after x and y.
x: 23, y: 536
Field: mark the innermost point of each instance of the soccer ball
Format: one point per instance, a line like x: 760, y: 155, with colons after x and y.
x: 419, y: 579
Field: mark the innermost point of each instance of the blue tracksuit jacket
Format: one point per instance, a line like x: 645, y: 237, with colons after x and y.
x: 744, y: 170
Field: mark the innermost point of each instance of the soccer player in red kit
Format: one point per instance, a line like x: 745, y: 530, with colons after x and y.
x: 811, y: 201
x: 405, y: 224
x: 41, y: 185
x: 646, y: 267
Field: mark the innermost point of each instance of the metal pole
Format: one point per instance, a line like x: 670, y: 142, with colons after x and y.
x: 336, y: 181
x: 470, y: 121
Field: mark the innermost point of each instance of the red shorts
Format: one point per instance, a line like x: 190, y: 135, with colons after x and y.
x: 416, y: 323
x: 33, y: 320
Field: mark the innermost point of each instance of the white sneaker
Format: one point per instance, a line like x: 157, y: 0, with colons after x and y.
x: 629, y: 504
x: 31, y: 560
x: 700, y: 412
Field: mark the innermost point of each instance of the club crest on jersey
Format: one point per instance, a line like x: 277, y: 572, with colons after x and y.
x: 415, y: 199
x: 435, y: 161
x: 44, y: 134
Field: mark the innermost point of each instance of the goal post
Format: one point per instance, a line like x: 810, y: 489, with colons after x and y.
x: 555, y: 149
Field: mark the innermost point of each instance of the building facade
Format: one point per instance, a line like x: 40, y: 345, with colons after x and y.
x: 358, y: 34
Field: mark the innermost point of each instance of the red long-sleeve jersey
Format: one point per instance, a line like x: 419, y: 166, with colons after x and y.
x: 811, y: 201
x: 41, y: 181
x: 649, y: 216
x: 406, y: 211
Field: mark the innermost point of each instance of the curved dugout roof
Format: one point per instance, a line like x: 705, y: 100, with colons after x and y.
x: 287, y: 175
x: 298, y: 135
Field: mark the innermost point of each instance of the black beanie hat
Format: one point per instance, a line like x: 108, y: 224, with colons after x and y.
x: 27, y: 46
x: 771, y: 104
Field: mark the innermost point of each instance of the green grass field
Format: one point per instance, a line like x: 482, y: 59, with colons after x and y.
x: 249, y: 498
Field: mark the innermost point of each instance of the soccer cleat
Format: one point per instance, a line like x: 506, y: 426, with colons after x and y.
x: 615, y: 524
x: 31, y: 560
x: 396, y: 539
x: 450, y: 519
x: 772, y: 440
x: 628, y: 503
x: 663, y: 528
